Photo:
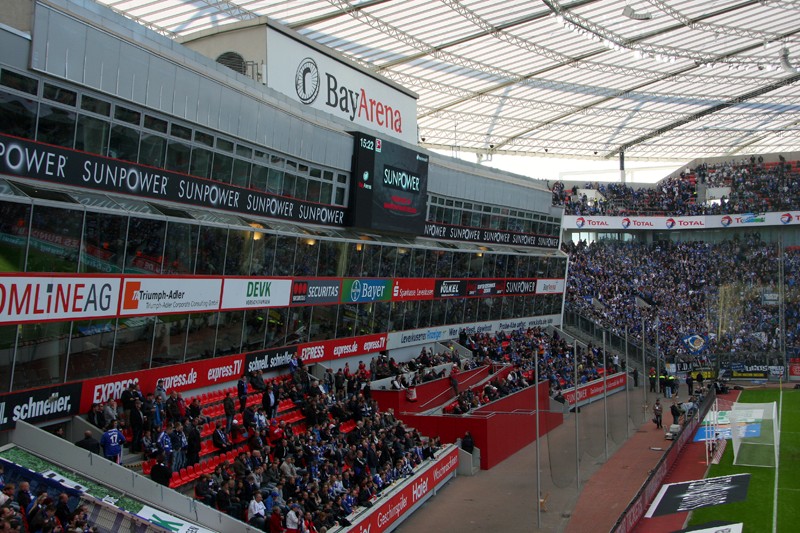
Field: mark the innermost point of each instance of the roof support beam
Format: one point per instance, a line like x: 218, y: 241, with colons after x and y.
x: 706, y: 112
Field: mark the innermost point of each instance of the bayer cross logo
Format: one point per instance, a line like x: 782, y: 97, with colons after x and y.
x: 306, y: 81
x: 355, y: 290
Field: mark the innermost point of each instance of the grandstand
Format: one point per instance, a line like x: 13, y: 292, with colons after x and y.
x: 248, y: 239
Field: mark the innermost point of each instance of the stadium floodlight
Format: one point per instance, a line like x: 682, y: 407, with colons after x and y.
x: 755, y: 434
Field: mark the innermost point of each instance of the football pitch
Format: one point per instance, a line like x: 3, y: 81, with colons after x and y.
x: 756, y: 512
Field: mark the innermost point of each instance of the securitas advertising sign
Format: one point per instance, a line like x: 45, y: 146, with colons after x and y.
x: 314, y: 78
x: 145, y: 296
x: 315, y: 291
x: 366, y: 290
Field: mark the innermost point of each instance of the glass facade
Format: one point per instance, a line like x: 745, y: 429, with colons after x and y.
x: 46, y: 229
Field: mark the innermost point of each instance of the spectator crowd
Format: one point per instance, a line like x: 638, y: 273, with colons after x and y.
x: 715, y: 290
x: 753, y: 187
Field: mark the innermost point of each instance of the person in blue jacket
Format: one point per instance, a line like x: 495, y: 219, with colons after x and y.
x: 111, y: 442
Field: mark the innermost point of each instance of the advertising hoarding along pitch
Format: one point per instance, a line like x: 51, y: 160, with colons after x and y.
x: 144, y: 296
x: 361, y: 290
x: 315, y: 291
x: 40, y: 405
x: 250, y: 293
x: 42, y: 298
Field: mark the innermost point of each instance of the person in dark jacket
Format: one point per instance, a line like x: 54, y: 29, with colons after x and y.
x: 161, y: 473
x: 467, y: 443
x: 88, y: 442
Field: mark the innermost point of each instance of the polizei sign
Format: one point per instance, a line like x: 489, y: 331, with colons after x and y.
x: 314, y: 78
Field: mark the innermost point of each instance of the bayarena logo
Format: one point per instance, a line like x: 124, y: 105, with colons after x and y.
x: 355, y: 290
x: 626, y: 222
x: 307, y: 81
x: 726, y: 221
x: 580, y: 222
x: 670, y: 223
x: 786, y: 218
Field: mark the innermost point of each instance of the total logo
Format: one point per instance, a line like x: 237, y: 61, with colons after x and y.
x: 670, y: 223
x: 726, y: 221
x: 786, y: 218
x: 580, y: 222
x: 626, y: 222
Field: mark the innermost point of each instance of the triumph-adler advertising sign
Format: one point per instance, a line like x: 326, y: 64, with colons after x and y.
x: 314, y: 78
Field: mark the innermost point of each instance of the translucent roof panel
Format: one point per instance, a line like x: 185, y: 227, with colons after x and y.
x: 585, y: 78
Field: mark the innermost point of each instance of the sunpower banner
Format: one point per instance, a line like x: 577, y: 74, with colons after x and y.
x: 252, y: 293
x: 63, y: 166
x: 45, y: 298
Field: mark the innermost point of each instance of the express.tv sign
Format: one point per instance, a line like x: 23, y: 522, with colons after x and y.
x: 315, y: 352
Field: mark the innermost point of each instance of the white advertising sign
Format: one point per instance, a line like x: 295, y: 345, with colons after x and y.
x: 40, y: 298
x: 413, y: 337
x: 170, y: 522
x: 247, y: 293
x: 572, y: 222
x: 549, y: 286
x: 321, y: 82
x: 144, y: 296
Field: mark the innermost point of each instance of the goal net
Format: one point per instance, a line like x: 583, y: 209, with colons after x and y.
x: 754, y: 432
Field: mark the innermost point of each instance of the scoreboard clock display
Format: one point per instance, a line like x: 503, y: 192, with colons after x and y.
x: 389, y: 188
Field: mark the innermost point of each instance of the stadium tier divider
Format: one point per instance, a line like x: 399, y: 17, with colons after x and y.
x: 102, y: 471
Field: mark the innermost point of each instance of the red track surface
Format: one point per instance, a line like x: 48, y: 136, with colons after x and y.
x: 690, y: 465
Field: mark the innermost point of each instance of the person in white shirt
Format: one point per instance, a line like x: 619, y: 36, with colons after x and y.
x: 257, y: 511
x: 294, y: 518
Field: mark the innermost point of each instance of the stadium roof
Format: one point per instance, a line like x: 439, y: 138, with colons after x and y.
x: 657, y: 79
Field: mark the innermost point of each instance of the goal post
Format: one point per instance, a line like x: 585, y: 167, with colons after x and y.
x: 754, y: 432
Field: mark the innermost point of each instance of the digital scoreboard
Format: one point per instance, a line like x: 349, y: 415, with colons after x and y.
x: 389, y: 188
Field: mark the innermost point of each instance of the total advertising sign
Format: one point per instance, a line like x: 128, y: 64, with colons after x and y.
x: 571, y: 222
x: 186, y: 376
x: 396, y: 507
x: 404, y: 289
x: 248, y: 293
x: 146, y: 296
x: 315, y: 79
x: 593, y: 390
x: 42, y: 298
x: 40, y: 405
x: 315, y: 352
x: 361, y: 290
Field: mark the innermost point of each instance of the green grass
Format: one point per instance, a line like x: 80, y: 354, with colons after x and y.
x: 756, y: 511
